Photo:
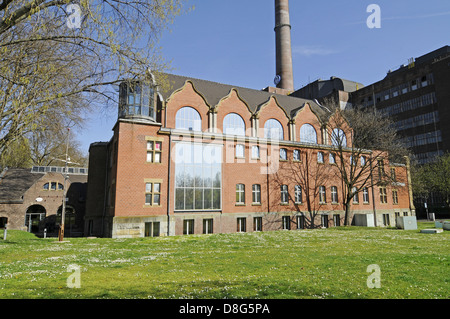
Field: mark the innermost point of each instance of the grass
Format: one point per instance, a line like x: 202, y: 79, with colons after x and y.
x: 329, y: 263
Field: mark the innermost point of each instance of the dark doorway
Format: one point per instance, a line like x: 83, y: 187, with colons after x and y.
x: 33, y: 217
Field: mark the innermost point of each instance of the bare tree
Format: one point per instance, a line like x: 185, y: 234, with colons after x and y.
x: 306, y: 176
x: 56, y: 63
x: 364, y: 142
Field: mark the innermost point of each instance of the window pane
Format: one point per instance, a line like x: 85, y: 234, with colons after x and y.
x: 148, y: 199
x: 255, y: 151
x: 198, y: 199
x: 148, y: 187
x: 273, y: 130
x: 157, y: 188
x: 150, y: 157
x: 207, y: 199
x: 233, y: 124
x: 187, y: 118
x: 179, y: 198
x: 308, y: 134
x: 189, y: 198
x: 156, y: 199
x: 157, y: 157
x: 338, y: 138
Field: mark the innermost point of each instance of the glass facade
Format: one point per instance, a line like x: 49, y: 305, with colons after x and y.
x: 137, y: 99
x: 198, y: 177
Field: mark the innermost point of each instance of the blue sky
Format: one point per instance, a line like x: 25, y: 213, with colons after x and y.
x: 233, y: 42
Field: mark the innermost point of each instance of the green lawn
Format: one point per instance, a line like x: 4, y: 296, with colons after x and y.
x: 328, y: 263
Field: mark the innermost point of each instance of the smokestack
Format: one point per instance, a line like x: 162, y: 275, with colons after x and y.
x: 284, y: 78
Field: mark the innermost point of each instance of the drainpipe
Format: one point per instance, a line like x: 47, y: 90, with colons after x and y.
x: 373, y: 194
x: 168, y: 186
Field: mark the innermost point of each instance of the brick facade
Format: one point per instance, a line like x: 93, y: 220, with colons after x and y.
x: 41, y: 195
x: 126, y: 213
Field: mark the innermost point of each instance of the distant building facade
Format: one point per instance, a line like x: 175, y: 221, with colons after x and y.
x: 31, y: 199
x: 417, y: 97
x: 199, y: 157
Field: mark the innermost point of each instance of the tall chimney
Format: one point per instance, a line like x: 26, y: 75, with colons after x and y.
x: 284, y: 77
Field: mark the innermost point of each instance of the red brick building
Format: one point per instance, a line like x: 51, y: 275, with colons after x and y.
x: 31, y: 199
x: 190, y: 156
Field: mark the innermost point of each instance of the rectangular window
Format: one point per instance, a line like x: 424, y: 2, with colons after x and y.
x: 188, y: 227
x: 322, y: 195
x: 334, y: 194
x: 284, y: 194
x: 324, y: 220
x: 332, y: 159
x: 363, y: 161
x: 337, y: 220
x: 283, y: 154
x: 255, y: 152
x: 241, y: 225
x: 383, y: 195
x: 395, y: 197
x: 286, y: 220
x: 208, y: 226
x: 240, y: 151
x: 355, y: 196
x: 257, y: 224
x: 152, y: 229
x: 320, y: 157
x: 256, y: 194
x: 296, y: 155
x: 365, y: 195
x: 298, y: 194
x: 198, y: 176
x: 381, y: 169
x: 240, y: 194
x: 154, y: 149
x: 386, y: 220
x: 153, y: 194
x: 301, y: 222
x: 393, y: 175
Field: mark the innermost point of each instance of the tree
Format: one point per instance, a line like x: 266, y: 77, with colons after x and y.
x: 433, y: 177
x: 56, y: 63
x: 308, y: 176
x: 364, y: 142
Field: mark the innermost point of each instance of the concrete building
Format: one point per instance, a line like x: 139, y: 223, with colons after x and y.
x: 417, y: 97
x: 335, y: 89
x: 31, y: 199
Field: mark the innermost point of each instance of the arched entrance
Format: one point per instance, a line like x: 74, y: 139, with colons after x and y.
x: 34, y: 215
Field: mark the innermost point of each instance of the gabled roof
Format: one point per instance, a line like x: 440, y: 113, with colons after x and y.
x: 213, y: 92
x: 15, y: 182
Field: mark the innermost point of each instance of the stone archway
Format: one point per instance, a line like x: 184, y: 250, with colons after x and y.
x: 33, y: 217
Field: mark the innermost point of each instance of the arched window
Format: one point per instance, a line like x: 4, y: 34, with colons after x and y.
x: 233, y: 124
x: 338, y: 138
x: 273, y: 130
x: 308, y: 134
x: 188, y: 118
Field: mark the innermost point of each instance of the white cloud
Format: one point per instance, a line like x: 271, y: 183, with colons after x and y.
x: 310, y: 50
